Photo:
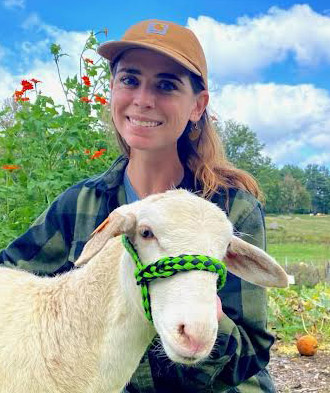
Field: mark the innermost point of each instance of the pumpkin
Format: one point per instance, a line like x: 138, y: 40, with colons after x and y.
x: 307, y: 345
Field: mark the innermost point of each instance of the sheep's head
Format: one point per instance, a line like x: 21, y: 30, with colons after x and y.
x: 184, y: 306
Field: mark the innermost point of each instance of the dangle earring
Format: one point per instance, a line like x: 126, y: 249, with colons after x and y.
x: 194, y: 132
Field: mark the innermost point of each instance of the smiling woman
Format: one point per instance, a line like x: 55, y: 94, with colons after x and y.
x: 159, y: 98
x: 152, y: 101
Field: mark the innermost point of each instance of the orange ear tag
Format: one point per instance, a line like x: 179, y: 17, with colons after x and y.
x: 101, y: 226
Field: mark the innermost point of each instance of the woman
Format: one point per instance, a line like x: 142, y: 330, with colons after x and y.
x: 158, y: 103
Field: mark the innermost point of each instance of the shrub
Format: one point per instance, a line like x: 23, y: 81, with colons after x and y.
x: 46, y: 147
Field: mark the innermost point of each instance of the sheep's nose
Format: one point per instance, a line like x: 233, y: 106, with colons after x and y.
x: 191, y: 338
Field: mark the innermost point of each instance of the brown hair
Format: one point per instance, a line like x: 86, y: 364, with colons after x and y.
x: 204, y: 154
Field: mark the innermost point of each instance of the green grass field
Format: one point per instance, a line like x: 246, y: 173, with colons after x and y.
x: 299, y: 238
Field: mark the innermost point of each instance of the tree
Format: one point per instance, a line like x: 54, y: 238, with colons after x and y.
x: 294, y: 196
x: 295, y: 171
x: 318, y: 184
x: 243, y: 147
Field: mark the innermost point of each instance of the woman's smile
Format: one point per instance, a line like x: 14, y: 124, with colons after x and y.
x: 152, y: 100
x: 143, y: 122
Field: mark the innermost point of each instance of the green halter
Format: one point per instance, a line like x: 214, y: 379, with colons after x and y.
x: 166, y: 267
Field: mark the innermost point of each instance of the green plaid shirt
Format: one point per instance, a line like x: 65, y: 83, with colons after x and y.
x: 56, y: 239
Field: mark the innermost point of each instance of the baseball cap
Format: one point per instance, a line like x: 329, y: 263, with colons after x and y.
x: 168, y: 38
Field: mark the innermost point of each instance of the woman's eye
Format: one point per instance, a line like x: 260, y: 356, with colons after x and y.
x: 167, y: 86
x: 146, y: 233
x: 129, y: 80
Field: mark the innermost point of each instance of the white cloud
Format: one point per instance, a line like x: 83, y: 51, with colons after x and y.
x: 289, y: 119
x: 8, y: 84
x: 37, y: 61
x: 244, y: 49
x: 318, y: 159
x: 12, y: 4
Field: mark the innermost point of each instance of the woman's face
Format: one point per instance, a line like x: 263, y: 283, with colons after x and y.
x: 152, y: 100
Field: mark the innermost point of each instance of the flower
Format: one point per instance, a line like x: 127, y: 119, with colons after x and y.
x: 88, y: 61
x: 98, y: 154
x: 85, y: 99
x: 100, y: 99
x: 18, y: 94
x: 10, y: 167
x: 35, y: 81
x: 27, y: 85
x: 86, y: 81
x: 87, y: 151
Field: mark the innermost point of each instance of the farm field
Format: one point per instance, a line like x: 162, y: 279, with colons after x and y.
x: 299, y: 238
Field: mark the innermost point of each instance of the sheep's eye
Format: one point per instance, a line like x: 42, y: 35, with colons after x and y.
x: 146, y: 233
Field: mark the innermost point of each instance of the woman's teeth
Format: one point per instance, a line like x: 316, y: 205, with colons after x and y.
x: 144, y: 123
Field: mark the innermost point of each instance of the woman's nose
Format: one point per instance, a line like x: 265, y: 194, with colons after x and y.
x: 144, y: 97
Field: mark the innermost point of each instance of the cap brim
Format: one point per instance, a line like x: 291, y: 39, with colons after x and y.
x: 112, y: 49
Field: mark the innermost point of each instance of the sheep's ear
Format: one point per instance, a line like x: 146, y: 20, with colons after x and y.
x: 254, y: 265
x: 116, y: 224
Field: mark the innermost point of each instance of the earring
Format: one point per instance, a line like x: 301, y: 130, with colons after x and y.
x: 194, y: 132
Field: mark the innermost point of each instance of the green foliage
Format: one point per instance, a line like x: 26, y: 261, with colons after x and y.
x: 318, y: 184
x: 287, y: 190
x: 243, y: 147
x: 51, y: 146
x: 299, y: 310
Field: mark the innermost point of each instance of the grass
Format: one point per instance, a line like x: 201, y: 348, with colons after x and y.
x: 299, y: 238
x: 286, y: 253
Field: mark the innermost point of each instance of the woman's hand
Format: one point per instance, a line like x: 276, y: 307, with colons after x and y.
x: 219, y: 308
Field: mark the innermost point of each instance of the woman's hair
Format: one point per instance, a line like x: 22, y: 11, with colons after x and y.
x: 204, y: 154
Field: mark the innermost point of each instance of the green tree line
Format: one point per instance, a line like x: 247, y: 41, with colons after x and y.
x: 289, y: 189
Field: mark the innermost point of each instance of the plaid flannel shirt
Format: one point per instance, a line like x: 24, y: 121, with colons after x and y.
x: 56, y: 239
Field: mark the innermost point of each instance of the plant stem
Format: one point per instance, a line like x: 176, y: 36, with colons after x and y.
x: 59, y: 75
x: 303, y: 322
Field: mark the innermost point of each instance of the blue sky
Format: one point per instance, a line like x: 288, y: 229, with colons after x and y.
x: 269, y: 61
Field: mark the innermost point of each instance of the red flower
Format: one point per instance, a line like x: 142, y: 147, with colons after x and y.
x: 87, y: 151
x: 86, y: 81
x: 100, y: 99
x: 85, y: 99
x: 27, y: 85
x: 10, y: 167
x: 18, y: 95
x: 88, y: 61
x: 35, y: 81
x: 98, y: 154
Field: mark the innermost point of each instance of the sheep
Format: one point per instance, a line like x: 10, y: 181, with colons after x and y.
x: 85, y: 331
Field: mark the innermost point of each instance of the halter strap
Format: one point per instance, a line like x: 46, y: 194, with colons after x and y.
x: 168, y: 266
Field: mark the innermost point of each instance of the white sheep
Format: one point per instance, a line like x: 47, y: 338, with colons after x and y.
x: 85, y: 331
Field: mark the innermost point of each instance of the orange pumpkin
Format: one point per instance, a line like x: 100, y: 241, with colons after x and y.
x: 307, y: 345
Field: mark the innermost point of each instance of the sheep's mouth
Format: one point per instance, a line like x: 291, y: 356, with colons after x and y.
x: 178, y: 356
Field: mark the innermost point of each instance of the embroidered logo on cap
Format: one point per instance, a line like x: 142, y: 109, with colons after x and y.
x: 157, y: 28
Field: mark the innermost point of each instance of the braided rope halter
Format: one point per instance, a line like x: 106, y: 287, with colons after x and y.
x: 168, y: 266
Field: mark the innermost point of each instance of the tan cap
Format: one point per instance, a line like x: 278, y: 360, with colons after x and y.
x: 168, y: 38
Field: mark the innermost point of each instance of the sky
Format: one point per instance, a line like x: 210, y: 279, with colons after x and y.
x: 268, y: 61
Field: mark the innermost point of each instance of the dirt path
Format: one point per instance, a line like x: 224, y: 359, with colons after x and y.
x: 301, y: 374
